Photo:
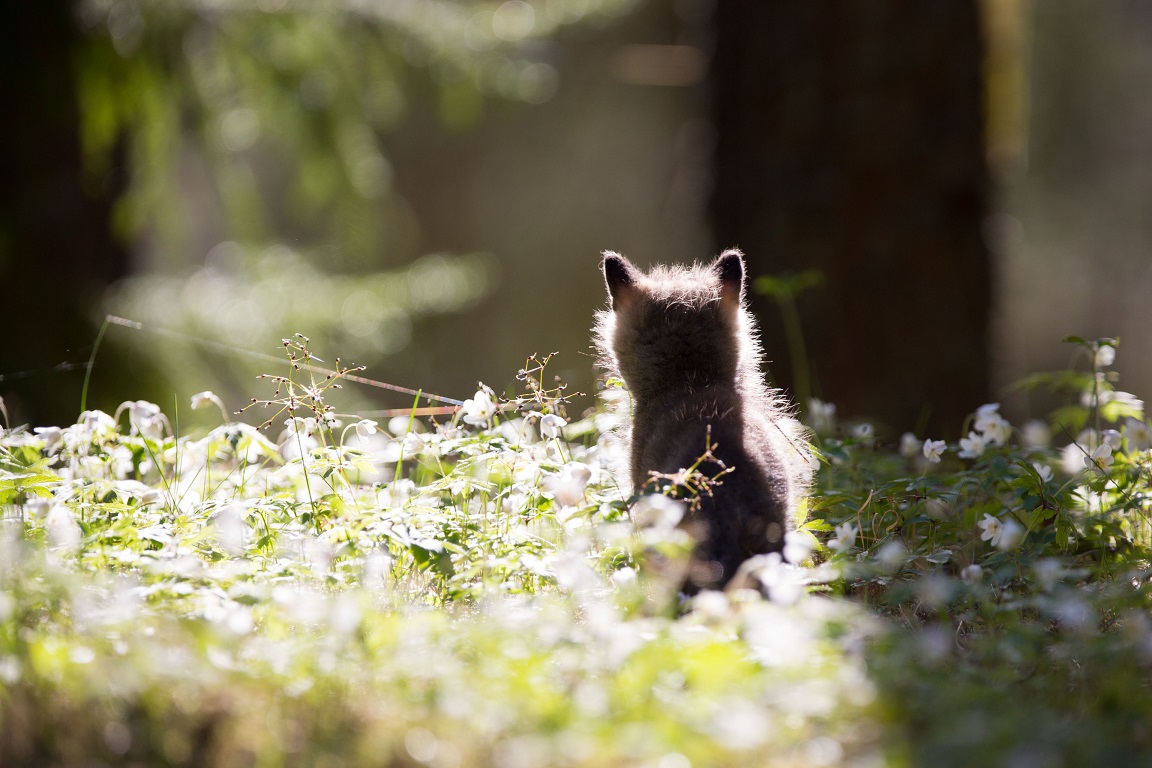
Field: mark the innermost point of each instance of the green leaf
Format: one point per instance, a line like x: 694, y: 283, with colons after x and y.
x: 788, y: 284
x: 939, y: 557
x: 432, y: 557
x: 816, y: 524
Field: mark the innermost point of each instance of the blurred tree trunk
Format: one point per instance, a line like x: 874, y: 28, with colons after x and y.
x: 850, y: 140
x: 56, y: 244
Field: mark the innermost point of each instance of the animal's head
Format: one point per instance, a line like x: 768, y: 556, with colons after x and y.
x: 674, y: 325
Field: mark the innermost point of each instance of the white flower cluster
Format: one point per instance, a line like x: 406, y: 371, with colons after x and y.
x: 145, y: 418
x: 933, y: 449
x: 821, y: 416
x: 989, y: 429
x: 845, y: 538
x: 1002, y: 534
x: 1097, y: 452
x: 480, y: 408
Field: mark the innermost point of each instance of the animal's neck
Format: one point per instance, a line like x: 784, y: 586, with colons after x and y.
x: 678, y: 385
x: 671, y: 393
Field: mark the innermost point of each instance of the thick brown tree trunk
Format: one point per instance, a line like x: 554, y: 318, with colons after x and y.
x: 850, y: 140
x: 56, y: 244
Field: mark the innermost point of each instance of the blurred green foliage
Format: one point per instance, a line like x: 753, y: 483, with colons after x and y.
x: 260, y: 194
x: 281, y: 105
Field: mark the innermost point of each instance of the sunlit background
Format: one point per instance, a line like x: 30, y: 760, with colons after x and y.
x: 423, y: 187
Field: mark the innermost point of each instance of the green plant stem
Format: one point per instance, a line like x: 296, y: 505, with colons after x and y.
x: 801, y: 375
x: 91, y: 363
x: 411, y: 418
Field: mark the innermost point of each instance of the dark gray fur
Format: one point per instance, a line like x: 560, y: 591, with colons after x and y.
x: 683, y: 341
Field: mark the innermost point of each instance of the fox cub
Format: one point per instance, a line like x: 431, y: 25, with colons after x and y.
x: 683, y: 341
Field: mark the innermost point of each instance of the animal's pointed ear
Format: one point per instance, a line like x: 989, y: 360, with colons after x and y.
x: 622, y: 279
x: 729, y: 268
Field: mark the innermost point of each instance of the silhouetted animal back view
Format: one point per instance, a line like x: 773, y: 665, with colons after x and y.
x: 683, y: 341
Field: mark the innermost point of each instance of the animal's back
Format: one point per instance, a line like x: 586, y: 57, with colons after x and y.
x: 686, y: 347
